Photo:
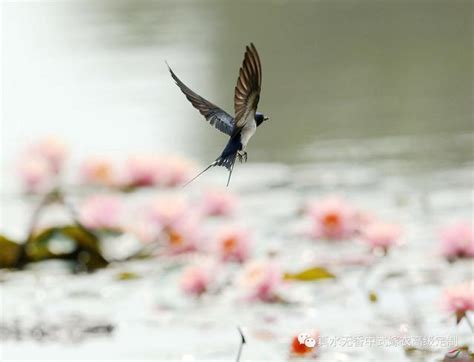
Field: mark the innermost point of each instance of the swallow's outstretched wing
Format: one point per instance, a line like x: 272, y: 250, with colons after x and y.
x: 247, y: 90
x: 217, y: 117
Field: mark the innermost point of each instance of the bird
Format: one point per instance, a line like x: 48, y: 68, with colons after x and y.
x: 243, y: 125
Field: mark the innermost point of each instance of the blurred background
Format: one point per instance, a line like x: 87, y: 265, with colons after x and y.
x: 375, y: 77
x: 371, y: 101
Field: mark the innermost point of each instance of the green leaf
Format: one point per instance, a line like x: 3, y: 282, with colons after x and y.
x: 110, y: 232
x: 413, y: 352
x: 37, y: 246
x: 86, y: 253
x: 373, y: 297
x: 10, y: 252
x: 88, y: 247
x: 309, y: 275
x: 125, y: 275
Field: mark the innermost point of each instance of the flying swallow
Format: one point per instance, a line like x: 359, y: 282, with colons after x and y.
x: 244, y: 124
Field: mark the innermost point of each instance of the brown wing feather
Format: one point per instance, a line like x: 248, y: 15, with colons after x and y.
x: 247, y: 90
x: 217, y: 117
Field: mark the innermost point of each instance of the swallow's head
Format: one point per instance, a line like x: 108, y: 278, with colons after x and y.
x: 260, y: 117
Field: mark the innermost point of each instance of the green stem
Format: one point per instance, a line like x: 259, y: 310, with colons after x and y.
x: 242, y: 342
x: 469, y: 322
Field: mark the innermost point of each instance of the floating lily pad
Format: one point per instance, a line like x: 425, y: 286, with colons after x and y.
x: 309, y: 275
x: 86, y: 252
x: 128, y: 276
x: 10, y: 252
x: 413, y: 352
x: 373, y: 297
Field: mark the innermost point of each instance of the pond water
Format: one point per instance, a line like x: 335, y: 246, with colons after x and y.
x: 331, y: 71
x: 370, y: 99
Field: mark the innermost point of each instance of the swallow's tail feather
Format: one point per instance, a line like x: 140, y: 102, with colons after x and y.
x: 226, y: 161
x: 200, y: 173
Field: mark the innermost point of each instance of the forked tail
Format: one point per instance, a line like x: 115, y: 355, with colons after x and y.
x: 200, y: 173
x: 226, y: 161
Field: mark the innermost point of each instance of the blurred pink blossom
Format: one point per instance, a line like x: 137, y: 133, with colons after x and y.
x: 151, y: 170
x: 459, y: 299
x: 182, y: 236
x: 234, y: 244
x: 363, y: 219
x: 98, y: 170
x: 168, y: 210
x: 35, y: 174
x: 41, y: 162
x: 457, y: 240
x: 261, y: 280
x: 141, y: 226
x: 196, y: 279
x: 53, y: 150
x: 171, y: 220
x: 177, y: 170
x: 143, y: 170
x: 332, y: 218
x: 101, y: 212
x: 381, y: 235
x: 218, y: 203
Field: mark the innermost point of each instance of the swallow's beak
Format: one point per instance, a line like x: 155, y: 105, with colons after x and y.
x: 266, y: 118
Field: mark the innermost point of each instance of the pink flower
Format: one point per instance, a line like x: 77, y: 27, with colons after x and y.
x: 98, y: 170
x: 101, y: 212
x: 457, y: 240
x: 218, y: 203
x: 196, y: 279
x: 261, y: 280
x: 142, y: 227
x: 40, y: 164
x: 362, y: 219
x: 381, y: 235
x: 166, y: 211
x: 182, y: 236
x: 177, y: 170
x: 143, y: 171
x: 53, y: 150
x: 234, y: 244
x: 332, y: 218
x: 35, y: 174
x: 459, y: 299
x: 170, y: 219
x: 151, y: 170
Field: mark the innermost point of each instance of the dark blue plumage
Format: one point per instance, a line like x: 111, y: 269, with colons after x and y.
x: 227, y: 158
x: 247, y: 119
x: 259, y: 118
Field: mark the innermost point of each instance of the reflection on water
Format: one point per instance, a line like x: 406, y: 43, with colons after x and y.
x: 95, y: 72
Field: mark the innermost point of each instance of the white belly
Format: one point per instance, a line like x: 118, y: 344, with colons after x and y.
x: 247, y: 132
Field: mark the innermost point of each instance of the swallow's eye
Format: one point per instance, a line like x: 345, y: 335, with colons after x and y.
x: 302, y: 337
x: 310, y: 342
